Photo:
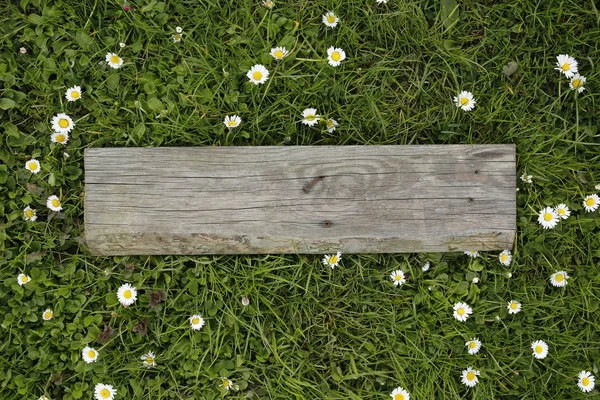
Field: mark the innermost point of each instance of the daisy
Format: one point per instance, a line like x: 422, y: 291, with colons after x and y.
x: 462, y: 311
x: 577, y: 82
x: 526, y: 178
x: 591, y: 202
x: 104, y: 392
x: 177, y: 37
x: 178, y: 29
x: 475, y: 280
x: 559, y: 279
x: 474, y: 345
x: 469, y: 377
x: 114, y: 60
x: 472, y: 253
x: 540, y: 349
x: 148, y: 359
x: 398, y: 277
x: 89, y: 355
x: 426, y: 266
x: 22, y: 50
x: 197, y: 322
x: 333, y: 260
x: 548, y: 218
x: 331, y: 125
x: 33, y: 165
x: 268, y: 3
x: 121, y: 45
x: 310, y: 116
x: 563, y: 211
x: 29, y: 214
x: 43, y: 398
x: 335, y: 56
x: 60, y: 138
x: 23, y: 279
x: 381, y: 1
x: 279, y: 53
x: 227, y: 383
x: 400, y: 394
x: 597, y: 187
x: 232, y: 122
x: 258, y: 74
x: 245, y: 301
x: 127, y: 294
x: 53, y: 203
x: 73, y: 93
x: 513, y: 307
x: 330, y: 19
x: 505, y: 257
x: 465, y: 101
x: 586, y: 381
x: 47, y: 315
x: 567, y: 65
x: 62, y: 123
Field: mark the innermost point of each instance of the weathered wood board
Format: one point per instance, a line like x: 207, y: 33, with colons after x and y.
x: 301, y: 199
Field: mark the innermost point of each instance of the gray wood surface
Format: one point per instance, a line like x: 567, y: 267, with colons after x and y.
x: 300, y: 199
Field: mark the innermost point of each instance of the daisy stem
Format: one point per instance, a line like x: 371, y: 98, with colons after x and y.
x: 308, y: 59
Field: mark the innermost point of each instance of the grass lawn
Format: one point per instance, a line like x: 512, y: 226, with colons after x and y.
x: 309, y: 331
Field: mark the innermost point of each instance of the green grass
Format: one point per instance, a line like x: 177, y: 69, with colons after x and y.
x: 309, y: 332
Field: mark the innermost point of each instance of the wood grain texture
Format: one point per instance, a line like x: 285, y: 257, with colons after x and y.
x: 309, y: 199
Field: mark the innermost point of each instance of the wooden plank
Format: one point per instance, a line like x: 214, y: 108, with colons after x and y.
x: 308, y: 199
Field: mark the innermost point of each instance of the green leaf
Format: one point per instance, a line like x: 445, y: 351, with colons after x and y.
x: 155, y: 104
x: 138, y: 131
x: 476, y: 266
x: 6, y: 104
x: 449, y: 13
x: 83, y: 39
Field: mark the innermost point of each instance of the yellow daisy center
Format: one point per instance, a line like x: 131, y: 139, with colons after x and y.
x: 232, y: 122
x: 32, y: 165
x: 590, y: 202
x: 55, y: 203
x: 115, y: 59
x: 279, y: 54
x: 460, y: 311
x: 399, y: 396
x: 127, y: 294
x: 60, y: 138
x: 470, y: 375
x: 538, y: 349
x: 513, y: 305
x: 398, y: 277
x: 75, y: 94
x: 559, y: 278
x: 335, y: 56
x: 561, y: 211
x: 331, y: 20
x: 91, y: 354
x: 472, y: 345
x: 178, y: 37
x: 48, y: 315
x: 329, y: 123
x: 565, y: 67
x: 63, y: 123
x: 585, y: 381
x: 464, y: 101
x: 332, y: 259
x: 576, y: 83
x: 311, y: 117
x: 24, y: 279
x: 503, y: 257
x: 225, y: 383
x: 105, y: 393
x: 29, y: 213
x: 257, y: 75
x: 149, y: 360
x: 548, y: 217
x: 195, y: 321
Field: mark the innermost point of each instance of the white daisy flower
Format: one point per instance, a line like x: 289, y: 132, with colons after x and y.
x: 577, y: 82
x: 47, y: 315
x: 22, y: 50
x: 548, y: 218
x: 268, y: 3
x: 227, y: 383
x: 114, y: 60
x: 591, y: 202
x: 567, y: 65
x: 540, y: 349
x: 43, y: 398
x: 177, y: 37
x: 149, y: 359
x: 400, y: 394
x: 53, y: 203
x: 333, y: 260
x: 121, y: 45
x: 505, y: 258
x: 245, y: 301
x: 279, y: 53
x: 310, y: 117
x: 62, y: 123
x: 232, y: 121
x: 586, y: 381
x: 398, y: 277
x: 104, y: 392
x: 475, y: 280
x: 563, y: 211
x: 465, y: 101
x: 127, y: 294
x: 426, y: 266
x: 559, y: 279
x: 474, y: 345
x: 73, y: 93
x: 513, y: 307
x: 331, y: 125
x: 178, y: 29
x: 335, y: 56
x: 29, y: 214
x: 23, y: 279
x: 597, y: 187
x: 381, y: 1
x: 469, y: 377
x: 60, y: 138
x: 89, y: 354
x: 526, y: 178
x: 258, y: 74
x: 330, y: 19
x: 33, y: 165
x: 197, y: 322
x: 472, y: 253
x: 462, y: 311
